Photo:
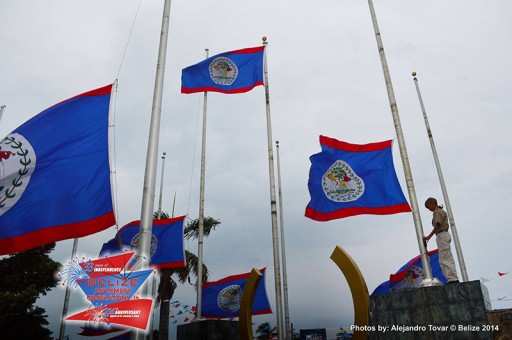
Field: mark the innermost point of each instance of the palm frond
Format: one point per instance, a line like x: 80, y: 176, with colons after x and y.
x: 160, y: 215
x: 192, y: 228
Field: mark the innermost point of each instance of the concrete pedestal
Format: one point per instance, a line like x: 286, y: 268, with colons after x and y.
x: 455, y: 311
x: 209, y: 330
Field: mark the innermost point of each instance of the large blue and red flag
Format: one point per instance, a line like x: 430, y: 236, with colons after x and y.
x: 229, y: 72
x: 222, y: 298
x: 410, y: 275
x: 55, y: 174
x: 166, y: 242
x: 351, y: 179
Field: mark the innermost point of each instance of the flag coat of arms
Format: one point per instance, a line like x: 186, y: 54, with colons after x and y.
x: 222, y: 298
x: 410, y: 275
x: 167, y: 249
x: 55, y: 174
x: 229, y: 72
x: 351, y: 179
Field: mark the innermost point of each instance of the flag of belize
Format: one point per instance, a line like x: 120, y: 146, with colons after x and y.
x: 351, y: 179
x: 55, y: 174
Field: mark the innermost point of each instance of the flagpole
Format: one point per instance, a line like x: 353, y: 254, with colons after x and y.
x: 283, y: 252
x: 67, y: 293
x: 173, y: 204
x: 161, y: 187
x: 153, y: 283
x: 1, y: 111
x: 201, y: 212
x: 451, y: 219
x: 427, y: 270
x: 148, y: 196
x: 275, y: 241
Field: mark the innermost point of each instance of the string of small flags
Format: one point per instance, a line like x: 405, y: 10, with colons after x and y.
x: 181, y: 313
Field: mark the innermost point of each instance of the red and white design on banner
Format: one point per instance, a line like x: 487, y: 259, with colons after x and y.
x: 131, y: 313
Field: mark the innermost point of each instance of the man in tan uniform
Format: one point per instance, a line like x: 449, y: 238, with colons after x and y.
x: 443, y: 240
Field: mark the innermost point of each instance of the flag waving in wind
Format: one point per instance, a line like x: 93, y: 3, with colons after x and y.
x: 166, y: 242
x: 229, y: 72
x: 222, y: 298
x: 411, y: 275
x: 350, y: 179
x: 55, y: 174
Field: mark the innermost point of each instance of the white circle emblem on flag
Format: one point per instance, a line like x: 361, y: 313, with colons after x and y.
x: 17, y: 163
x: 229, y: 298
x: 223, y: 71
x: 341, y: 184
x: 154, y: 243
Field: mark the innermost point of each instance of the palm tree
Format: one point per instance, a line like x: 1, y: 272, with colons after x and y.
x: 167, y: 285
x: 264, y: 331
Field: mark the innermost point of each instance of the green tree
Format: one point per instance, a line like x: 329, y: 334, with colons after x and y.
x: 25, y: 276
x: 167, y: 285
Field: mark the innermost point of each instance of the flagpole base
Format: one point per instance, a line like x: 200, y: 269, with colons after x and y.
x: 430, y: 283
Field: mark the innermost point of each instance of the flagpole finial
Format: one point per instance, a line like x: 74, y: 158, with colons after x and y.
x: 414, y: 74
x: 277, y: 142
x: 264, y: 39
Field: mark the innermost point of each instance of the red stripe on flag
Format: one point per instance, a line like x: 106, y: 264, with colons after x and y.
x: 231, y: 278
x: 57, y: 233
x: 216, y: 89
x: 320, y: 216
x: 336, y: 144
x: 248, y: 50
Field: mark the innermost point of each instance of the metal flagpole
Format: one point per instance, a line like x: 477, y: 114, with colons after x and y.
x: 153, y: 284
x: 283, y: 252
x: 161, y: 188
x: 173, y: 204
x: 275, y: 240
x: 66, y: 295
x: 1, y: 111
x: 148, y: 196
x: 201, y: 212
x: 451, y: 219
x: 427, y: 270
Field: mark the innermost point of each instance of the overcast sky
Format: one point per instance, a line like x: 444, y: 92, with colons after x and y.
x: 325, y: 77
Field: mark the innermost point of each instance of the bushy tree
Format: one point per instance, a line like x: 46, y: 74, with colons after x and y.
x: 25, y: 276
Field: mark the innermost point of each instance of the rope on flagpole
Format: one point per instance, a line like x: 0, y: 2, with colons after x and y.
x: 128, y: 40
x: 113, y: 160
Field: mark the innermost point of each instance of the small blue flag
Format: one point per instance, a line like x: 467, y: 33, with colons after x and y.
x: 350, y: 179
x: 411, y: 275
x: 229, y: 72
x: 166, y: 242
x: 222, y: 298
x: 55, y: 174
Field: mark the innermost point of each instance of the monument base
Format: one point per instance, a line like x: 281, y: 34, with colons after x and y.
x: 209, y: 330
x: 454, y: 311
